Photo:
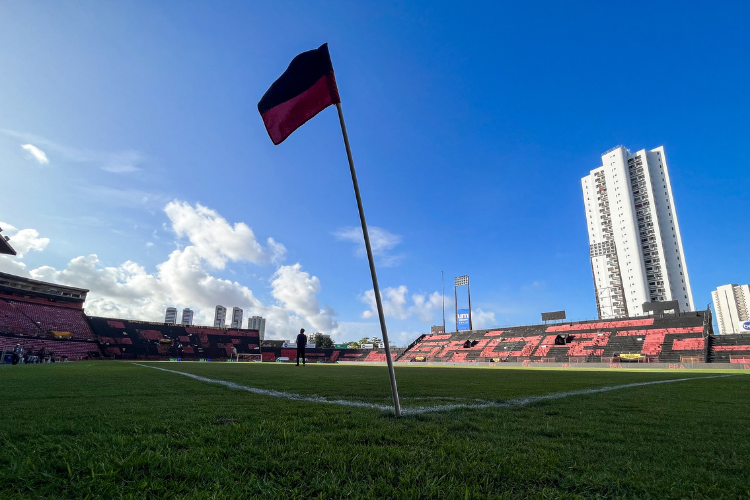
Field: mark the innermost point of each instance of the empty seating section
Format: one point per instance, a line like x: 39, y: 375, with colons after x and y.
x: 53, y: 318
x: 600, y: 325
x: 58, y: 349
x: 18, y: 317
x: 688, y: 344
x: 377, y: 355
x: 733, y: 348
x: 14, y: 321
x: 652, y: 344
x: 141, y: 340
x: 640, y: 339
x: 495, y: 333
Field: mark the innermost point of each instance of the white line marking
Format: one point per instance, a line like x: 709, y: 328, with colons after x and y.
x: 480, y: 404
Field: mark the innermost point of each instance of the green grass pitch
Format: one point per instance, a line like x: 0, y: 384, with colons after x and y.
x: 119, y: 430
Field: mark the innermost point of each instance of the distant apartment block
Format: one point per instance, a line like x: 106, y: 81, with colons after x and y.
x: 187, y: 317
x: 732, y: 306
x: 236, y: 317
x: 220, y: 317
x: 257, y: 323
x: 635, y: 244
x: 171, y: 316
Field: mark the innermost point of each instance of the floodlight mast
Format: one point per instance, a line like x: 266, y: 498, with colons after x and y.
x: 442, y: 278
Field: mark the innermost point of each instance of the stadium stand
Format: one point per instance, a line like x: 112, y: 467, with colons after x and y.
x: 733, y: 348
x: 60, y: 350
x: 129, y: 339
x: 56, y: 319
x: 667, y: 339
x: 37, y: 315
x: 40, y: 315
x: 273, y: 351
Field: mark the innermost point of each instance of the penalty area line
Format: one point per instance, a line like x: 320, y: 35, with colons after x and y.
x: 478, y: 405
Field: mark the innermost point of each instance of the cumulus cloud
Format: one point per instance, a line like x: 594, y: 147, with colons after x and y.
x: 24, y: 240
x: 483, y: 319
x: 297, y: 292
x: 216, y: 241
x: 130, y: 291
x: 36, y: 153
x: 381, y: 242
x: 397, y: 305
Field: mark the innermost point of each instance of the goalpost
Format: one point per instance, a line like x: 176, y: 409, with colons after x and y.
x: 243, y: 357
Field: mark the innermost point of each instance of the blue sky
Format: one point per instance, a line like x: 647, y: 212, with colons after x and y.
x: 471, y: 127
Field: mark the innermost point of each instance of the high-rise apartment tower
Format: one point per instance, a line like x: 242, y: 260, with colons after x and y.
x: 220, y: 317
x: 257, y: 323
x: 236, y: 317
x: 171, y: 316
x: 732, y: 306
x: 187, y: 317
x: 634, y: 238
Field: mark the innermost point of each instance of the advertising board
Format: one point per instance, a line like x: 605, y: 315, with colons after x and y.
x: 463, y: 319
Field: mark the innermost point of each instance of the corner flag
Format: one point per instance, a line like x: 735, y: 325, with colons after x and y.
x: 306, y: 88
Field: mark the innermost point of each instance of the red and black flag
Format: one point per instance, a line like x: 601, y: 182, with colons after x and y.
x: 306, y: 88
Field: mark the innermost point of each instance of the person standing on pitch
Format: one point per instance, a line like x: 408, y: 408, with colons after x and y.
x: 301, y: 343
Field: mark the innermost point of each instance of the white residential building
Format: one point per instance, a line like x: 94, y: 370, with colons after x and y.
x: 236, y: 317
x: 187, y: 317
x: 220, y: 317
x: 634, y: 237
x: 732, y: 306
x: 171, y: 316
x: 257, y: 323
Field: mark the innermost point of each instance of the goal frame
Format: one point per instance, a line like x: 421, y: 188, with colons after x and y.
x: 253, y: 358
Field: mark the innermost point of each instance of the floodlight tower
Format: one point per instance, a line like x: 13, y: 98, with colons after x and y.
x: 461, y: 281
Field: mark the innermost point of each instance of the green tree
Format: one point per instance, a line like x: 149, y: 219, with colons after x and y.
x: 323, y: 342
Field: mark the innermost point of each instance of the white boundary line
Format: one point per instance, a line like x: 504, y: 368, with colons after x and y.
x: 480, y: 404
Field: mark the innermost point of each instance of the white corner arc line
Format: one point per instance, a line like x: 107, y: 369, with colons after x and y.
x: 481, y: 404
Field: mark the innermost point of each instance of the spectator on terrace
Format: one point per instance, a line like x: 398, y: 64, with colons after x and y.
x: 301, y: 343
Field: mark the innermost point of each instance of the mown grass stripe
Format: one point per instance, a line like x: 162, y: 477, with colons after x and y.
x: 478, y: 404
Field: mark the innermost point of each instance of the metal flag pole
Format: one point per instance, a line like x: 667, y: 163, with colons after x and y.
x: 376, y: 288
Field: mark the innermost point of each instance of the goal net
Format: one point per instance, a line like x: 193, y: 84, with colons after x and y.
x: 257, y: 358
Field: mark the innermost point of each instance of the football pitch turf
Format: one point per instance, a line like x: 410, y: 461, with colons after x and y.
x: 116, y: 429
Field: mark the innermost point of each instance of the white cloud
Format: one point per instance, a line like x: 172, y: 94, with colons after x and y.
x: 297, y: 292
x: 36, y: 153
x: 120, y: 169
x: 130, y: 291
x: 112, y: 161
x: 396, y: 304
x: 483, y: 319
x: 216, y: 241
x: 24, y: 240
x: 381, y: 242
